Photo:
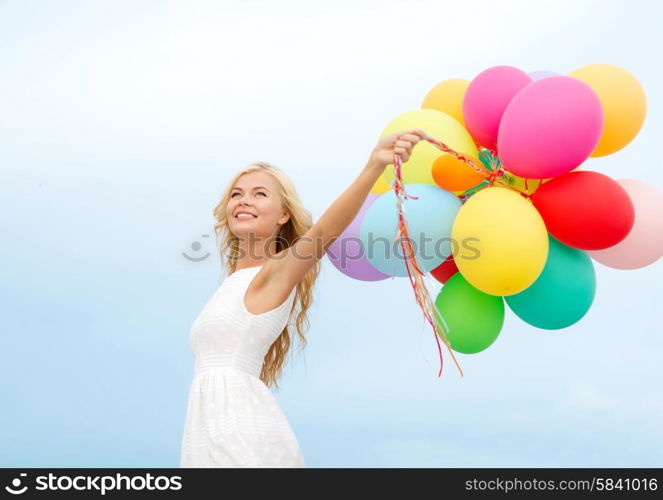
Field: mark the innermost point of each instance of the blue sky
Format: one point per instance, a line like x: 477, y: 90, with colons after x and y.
x: 121, y: 123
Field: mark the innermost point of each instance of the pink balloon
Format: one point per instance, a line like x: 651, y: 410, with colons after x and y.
x: 644, y: 244
x: 550, y: 128
x: 486, y: 99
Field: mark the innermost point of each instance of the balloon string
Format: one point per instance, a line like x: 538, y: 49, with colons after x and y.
x: 457, y: 155
x: 491, y: 177
x: 415, y: 274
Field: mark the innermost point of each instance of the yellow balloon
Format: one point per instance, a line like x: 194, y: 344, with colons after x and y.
x: 381, y: 185
x: 624, y: 104
x: 447, y: 96
x: 437, y: 124
x: 500, y: 241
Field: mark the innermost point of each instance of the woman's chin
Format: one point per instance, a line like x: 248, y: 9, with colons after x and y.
x: 243, y: 230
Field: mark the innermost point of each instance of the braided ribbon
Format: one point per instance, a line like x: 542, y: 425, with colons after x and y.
x: 492, y: 175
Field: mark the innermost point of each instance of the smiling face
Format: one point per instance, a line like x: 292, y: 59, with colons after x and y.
x: 255, y: 194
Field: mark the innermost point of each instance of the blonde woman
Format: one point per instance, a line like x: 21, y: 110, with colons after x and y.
x: 271, y: 251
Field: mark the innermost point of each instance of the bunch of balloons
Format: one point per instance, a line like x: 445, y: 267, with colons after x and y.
x: 504, y: 206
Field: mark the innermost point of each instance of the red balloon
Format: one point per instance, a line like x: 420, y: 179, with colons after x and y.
x: 585, y: 210
x: 446, y: 270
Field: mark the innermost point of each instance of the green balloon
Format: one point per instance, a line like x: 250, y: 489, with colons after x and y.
x: 563, y: 292
x: 474, y: 318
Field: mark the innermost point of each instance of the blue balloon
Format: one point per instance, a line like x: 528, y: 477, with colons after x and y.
x: 538, y: 75
x: 429, y: 219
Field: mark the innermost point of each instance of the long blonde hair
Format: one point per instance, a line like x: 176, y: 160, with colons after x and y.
x: 299, y: 222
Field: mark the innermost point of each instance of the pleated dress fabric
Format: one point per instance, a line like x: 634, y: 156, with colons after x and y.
x: 232, y: 417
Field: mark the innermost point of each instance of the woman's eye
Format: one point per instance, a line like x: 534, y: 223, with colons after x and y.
x: 260, y: 192
x: 233, y: 195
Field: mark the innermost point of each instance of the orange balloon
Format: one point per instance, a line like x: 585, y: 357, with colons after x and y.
x: 453, y: 174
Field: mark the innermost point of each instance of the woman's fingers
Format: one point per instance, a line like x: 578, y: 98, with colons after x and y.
x: 410, y: 137
x: 405, y: 143
x: 402, y: 146
x: 415, y: 134
x: 403, y: 153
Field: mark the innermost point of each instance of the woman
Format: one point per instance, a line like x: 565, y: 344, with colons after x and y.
x: 241, y: 337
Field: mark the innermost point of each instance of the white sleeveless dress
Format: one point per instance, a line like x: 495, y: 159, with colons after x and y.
x: 233, y: 419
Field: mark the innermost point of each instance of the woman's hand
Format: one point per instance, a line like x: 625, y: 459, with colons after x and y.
x: 399, y: 142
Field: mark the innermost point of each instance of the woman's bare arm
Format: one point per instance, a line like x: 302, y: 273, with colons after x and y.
x: 292, y: 264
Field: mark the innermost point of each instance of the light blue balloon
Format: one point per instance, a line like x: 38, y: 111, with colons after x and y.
x: 429, y: 219
x: 538, y: 75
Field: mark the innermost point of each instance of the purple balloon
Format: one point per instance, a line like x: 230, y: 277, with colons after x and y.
x: 538, y: 75
x: 346, y: 253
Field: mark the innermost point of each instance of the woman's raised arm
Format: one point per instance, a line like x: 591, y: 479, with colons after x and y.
x: 292, y: 264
